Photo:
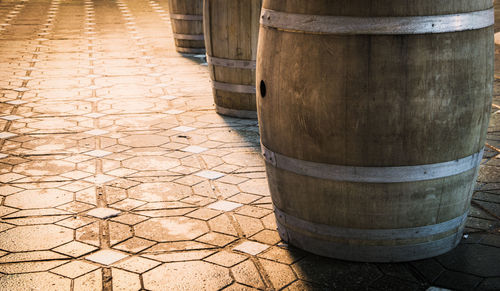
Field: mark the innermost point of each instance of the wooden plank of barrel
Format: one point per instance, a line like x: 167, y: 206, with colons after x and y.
x: 187, y: 25
x: 373, y: 120
x: 231, y: 34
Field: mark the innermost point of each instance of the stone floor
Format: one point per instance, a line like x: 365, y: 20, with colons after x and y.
x: 117, y: 174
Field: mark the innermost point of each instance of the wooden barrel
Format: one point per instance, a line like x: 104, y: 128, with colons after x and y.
x: 187, y: 25
x: 373, y: 121
x: 231, y: 34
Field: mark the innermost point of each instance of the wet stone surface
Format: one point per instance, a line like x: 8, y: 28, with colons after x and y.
x: 117, y: 174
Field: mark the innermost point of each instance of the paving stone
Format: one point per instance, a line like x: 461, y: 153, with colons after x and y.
x: 212, y: 175
x: 474, y: 259
x: 225, y: 258
x: 103, y: 212
x: 35, y: 281
x: 457, y: 281
x: 183, y: 256
x: 280, y: 275
x: 100, y: 179
x: 34, y: 237
x: 90, y: 281
x: 250, y: 247
x: 396, y: 284
x: 134, y: 245
x: 75, y: 249
x: 31, y: 256
x: 98, y: 153
x: 125, y: 281
x: 490, y: 284
x: 171, y: 229
x: 183, y: 128
x: 106, y: 257
x: 29, y: 267
x: 74, y: 269
x: 246, y: 273
x: 39, y: 198
x: 224, y: 205
x: 336, y: 273
x: 97, y: 131
x: 137, y: 264
x: 165, y: 191
x: 217, y: 239
x: 187, y: 276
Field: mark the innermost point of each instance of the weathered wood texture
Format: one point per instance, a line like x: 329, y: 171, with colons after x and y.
x: 231, y: 33
x: 374, y: 101
x: 187, y: 25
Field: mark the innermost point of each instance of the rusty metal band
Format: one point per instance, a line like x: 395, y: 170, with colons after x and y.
x: 188, y: 36
x: 323, y: 230
x: 366, y: 252
x: 237, y: 88
x: 236, y: 112
x: 239, y: 64
x: 372, y: 174
x: 189, y: 50
x: 321, y: 24
x: 187, y: 17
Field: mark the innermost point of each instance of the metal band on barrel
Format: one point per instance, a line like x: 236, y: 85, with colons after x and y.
x: 322, y: 24
x: 236, y: 112
x: 187, y: 17
x: 369, y: 253
x: 237, y: 88
x: 189, y: 36
x: 240, y: 64
x: 323, y: 230
x: 372, y: 174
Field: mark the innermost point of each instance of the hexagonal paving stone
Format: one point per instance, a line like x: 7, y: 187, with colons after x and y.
x: 251, y: 159
x: 35, y: 281
x: 44, y: 168
x: 39, y: 198
x: 144, y: 140
x: 255, y: 186
x: 53, y: 123
x: 34, y: 237
x: 187, y: 276
x: 154, y: 192
x: 151, y: 163
x: 171, y: 229
x: 473, y: 259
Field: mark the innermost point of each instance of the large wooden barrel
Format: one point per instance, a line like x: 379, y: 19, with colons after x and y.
x: 231, y: 34
x: 187, y: 25
x: 373, y: 118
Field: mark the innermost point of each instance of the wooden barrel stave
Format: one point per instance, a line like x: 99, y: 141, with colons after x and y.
x: 374, y: 101
x: 187, y: 25
x: 231, y: 29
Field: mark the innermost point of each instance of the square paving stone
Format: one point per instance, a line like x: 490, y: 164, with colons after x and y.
x: 98, y: 153
x: 106, y: 257
x: 194, y: 149
x: 250, y: 247
x: 74, y: 269
x: 224, y: 205
x: 103, y: 212
x: 212, y: 175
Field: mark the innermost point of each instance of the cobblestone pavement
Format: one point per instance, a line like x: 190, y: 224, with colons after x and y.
x: 117, y: 174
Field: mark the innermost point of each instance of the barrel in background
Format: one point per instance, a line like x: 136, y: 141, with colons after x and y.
x: 187, y: 25
x: 231, y: 34
x: 373, y: 126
